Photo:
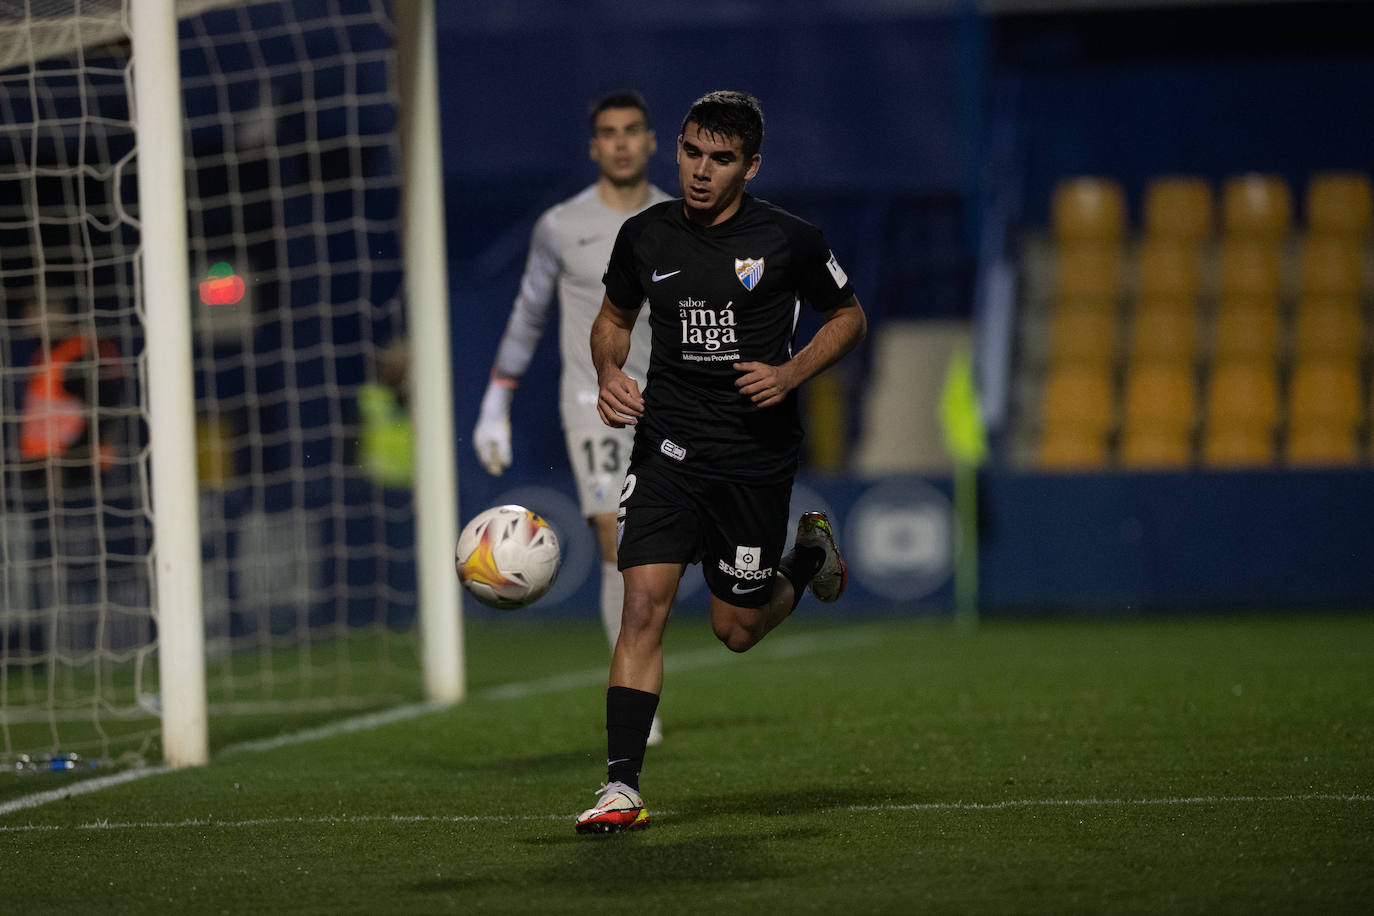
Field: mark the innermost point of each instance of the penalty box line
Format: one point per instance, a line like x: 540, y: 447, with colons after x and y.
x: 787, y: 647
x: 429, y: 819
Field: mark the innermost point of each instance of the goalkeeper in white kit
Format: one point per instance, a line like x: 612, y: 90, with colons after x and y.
x: 569, y: 250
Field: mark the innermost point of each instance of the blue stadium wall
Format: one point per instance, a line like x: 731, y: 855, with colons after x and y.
x: 893, y: 130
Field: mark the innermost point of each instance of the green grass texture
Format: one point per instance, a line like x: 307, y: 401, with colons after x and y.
x: 1214, y: 764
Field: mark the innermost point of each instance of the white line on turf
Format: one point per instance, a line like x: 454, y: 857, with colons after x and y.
x: 77, y: 788
x: 343, y: 727
x: 786, y: 647
x: 512, y: 819
x: 1110, y: 802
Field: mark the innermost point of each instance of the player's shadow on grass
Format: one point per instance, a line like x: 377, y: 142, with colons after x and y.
x: 706, y: 860
x: 582, y: 862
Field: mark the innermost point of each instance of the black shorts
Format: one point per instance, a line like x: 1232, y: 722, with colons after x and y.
x: 736, y: 529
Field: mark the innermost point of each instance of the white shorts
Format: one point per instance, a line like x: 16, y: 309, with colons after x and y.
x: 600, y: 456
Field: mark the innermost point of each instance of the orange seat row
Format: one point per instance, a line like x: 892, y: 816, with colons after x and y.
x: 1253, y: 205
x: 1240, y: 417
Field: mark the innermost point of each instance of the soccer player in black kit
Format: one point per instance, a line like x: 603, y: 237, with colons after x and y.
x: 717, y: 433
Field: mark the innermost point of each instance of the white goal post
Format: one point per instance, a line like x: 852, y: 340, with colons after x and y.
x: 171, y: 382
x: 436, y: 473
x: 253, y: 523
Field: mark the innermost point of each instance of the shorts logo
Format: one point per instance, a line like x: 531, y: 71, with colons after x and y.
x: 748, y: 575
x: 749, y: 271
x: 746, y: 567
x: 673, y: 450
x: 747, y: 558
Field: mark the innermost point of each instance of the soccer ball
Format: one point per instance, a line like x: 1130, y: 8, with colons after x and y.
x: 507, y: 557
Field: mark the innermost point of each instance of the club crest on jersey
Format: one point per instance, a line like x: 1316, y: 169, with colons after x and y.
x: 749, y: 270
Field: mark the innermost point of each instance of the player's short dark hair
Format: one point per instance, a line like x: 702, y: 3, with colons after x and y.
x: 729, y: 114
x: 626, y: 98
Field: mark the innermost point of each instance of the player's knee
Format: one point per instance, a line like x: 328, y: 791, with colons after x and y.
x: 734, y: 635
x: 640, y: 616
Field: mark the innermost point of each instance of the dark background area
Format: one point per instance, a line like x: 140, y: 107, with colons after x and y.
x: 924, y: 138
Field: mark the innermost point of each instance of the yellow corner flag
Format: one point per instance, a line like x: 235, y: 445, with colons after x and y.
x: 961, y: 418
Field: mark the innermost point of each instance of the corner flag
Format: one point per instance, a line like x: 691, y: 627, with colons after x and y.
x: 961, y: 419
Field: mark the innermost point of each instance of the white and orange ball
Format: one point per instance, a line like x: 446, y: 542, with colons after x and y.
x: 507, y: 557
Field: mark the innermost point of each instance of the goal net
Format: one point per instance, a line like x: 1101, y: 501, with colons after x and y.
x: 307, y: 537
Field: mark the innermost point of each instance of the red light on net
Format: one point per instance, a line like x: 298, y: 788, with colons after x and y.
x: 222, y: 286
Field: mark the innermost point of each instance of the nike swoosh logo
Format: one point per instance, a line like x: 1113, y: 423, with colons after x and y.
x: 744, y: 591
x: 658, y: 276
x: 589, y: 239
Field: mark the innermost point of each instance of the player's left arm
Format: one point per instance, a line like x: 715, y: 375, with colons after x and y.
x: 844, y: 328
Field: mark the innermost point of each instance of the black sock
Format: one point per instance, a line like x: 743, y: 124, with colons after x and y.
x: 797, y: 566
x: 629, y: 715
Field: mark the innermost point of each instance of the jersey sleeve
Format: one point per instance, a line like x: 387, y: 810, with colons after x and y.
x: 820, y: 279
x: 622, y: 280
x: 531, y: 310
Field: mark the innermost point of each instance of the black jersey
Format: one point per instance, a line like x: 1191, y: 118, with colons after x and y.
x: 720, y: 295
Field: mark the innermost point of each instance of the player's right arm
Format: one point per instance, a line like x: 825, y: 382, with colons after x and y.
x: 530, y: 313
x: 618, y: 401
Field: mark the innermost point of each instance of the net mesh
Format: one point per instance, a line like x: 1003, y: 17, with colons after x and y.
x: 293, y: 207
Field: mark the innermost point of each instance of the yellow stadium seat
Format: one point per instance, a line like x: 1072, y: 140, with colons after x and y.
x: 1325, y: 391
x: 1339, y: 203
x: 1155, y: 448
x: 1257, y: 206
x: 1322, y: 445
x: 1237, y: 446
x: 1247, y: 328
x: 1250, y: 267
x: 1083, y: 335
x: 1088, y: 208
x: 1079, y: 396
x: 1178, y: 207
x: 1072, y: 449
x: 1331, y: 265
x: 1170, y: 269
x: 1088, y: 272
x: 1328, y: 328
x: 1164, y: 331
x: 1160, y: 394
x: 1243, y: 393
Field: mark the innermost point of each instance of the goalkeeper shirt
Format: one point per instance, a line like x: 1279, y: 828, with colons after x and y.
x: 569, y: 248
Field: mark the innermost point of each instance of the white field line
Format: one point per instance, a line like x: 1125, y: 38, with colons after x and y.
x: 787, y: 647
x: 1111, y: 802
x: 77, y: 788
x: 203, y: 823
x: 342, y: 727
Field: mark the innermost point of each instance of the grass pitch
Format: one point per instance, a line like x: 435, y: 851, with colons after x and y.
x: 1181, y: 765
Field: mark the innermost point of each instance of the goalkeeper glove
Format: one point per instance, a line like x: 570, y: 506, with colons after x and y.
x: 492, y: 435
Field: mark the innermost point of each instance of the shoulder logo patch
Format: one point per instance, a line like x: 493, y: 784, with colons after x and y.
x: 836, y: 271
x: 749, y: 271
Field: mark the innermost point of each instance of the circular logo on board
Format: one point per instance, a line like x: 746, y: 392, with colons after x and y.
x: 899, y: 539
